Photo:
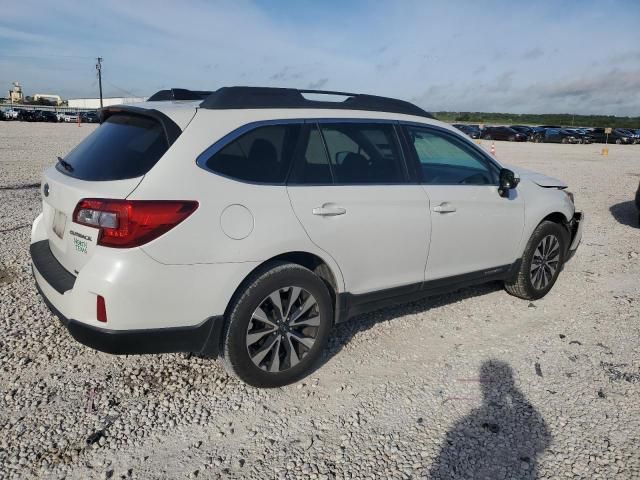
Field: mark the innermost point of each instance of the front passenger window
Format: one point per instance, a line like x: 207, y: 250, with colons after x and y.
x: 445, y: 160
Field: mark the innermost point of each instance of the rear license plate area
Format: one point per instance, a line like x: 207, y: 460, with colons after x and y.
x: 59, y: 223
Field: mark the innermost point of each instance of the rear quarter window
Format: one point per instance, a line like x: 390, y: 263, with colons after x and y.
x: 124, y: 146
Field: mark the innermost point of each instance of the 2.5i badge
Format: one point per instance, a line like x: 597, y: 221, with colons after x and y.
x: 80, y: 241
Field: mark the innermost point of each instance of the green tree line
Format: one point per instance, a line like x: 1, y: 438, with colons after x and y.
x: 563, y: 119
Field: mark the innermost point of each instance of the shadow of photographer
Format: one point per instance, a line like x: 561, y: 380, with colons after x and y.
x: 501, y: 439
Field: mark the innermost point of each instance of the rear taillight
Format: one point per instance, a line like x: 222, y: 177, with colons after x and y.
x: 131, y: 223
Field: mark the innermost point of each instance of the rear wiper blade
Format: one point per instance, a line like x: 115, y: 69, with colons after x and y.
x: 67, y: 166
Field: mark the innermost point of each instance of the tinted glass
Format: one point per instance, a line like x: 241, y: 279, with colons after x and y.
x: 363, y: 153
x: 446, y: 160
x: 312, y: 165
x: 262, y: 155
x: 125, y: 146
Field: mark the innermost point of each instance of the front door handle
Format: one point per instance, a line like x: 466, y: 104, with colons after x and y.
x: 326, y: 211
x: 444, y: 208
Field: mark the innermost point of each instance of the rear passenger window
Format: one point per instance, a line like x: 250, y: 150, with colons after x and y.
x: 262, y: 155
x: 362, y: 153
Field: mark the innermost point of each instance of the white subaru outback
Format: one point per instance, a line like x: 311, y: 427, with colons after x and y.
x: 246, y: 222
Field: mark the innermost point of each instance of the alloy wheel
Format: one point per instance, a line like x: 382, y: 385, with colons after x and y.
x: 283, y: 329
x: 545, y: 262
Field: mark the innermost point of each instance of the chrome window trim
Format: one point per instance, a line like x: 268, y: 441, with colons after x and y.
x: 238, y: 132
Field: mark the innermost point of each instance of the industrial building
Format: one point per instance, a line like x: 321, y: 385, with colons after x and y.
x: 95, y: 102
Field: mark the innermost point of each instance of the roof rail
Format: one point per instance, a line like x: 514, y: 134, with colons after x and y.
x: 178, y: 94
x: 269, y: 97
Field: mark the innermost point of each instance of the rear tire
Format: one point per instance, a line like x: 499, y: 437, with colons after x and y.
x: 541, y: 263
x: 278, y: 326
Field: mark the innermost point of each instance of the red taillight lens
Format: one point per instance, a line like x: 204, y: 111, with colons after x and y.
x: 131, y: 223
x: 101, y: 309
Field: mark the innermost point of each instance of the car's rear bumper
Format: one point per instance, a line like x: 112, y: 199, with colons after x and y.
x: 203, y: 338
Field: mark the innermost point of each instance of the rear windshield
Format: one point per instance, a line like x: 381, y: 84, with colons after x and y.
x: 124, y: 146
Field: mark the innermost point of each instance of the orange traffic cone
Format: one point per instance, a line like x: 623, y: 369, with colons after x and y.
x: 493, y: 148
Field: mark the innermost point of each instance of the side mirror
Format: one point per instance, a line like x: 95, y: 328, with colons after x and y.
x: 508, y: 180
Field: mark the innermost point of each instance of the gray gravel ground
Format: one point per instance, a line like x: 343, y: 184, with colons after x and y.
x: 476, y: 384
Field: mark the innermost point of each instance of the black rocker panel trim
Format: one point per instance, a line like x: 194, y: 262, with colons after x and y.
x: 350, y: 304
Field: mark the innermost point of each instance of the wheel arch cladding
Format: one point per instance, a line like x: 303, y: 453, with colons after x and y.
x: 563, y: 221
x: 305, y: 259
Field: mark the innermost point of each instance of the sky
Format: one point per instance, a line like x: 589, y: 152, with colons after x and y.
x: 495, y: 56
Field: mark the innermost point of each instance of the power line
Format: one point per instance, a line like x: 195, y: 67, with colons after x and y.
x: 131, y: 94
x: 44, y: 57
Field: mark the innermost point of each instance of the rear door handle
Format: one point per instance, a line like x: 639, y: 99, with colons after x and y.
x: 326, y: 211
x: 444, y: 208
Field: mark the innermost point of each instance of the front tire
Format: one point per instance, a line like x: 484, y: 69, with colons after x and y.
x: 278, y: 326
x: 541, y: 263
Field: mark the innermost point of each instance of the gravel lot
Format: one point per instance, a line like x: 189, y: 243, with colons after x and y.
x: 476, y: 384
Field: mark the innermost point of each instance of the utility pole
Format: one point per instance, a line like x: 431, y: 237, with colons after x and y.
x: 99, y: 68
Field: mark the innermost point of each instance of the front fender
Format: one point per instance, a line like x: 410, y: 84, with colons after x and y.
x: 541, y: 203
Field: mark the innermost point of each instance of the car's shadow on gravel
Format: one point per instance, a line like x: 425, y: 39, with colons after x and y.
x: 344, y: 332
x: 625, y: 213
x: 503, y: 438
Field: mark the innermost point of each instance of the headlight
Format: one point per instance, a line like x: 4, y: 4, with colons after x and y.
x: 569, y: 194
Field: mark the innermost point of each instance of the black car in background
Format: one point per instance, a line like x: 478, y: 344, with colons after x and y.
x: 617, y: 135
x: 528, y: 131
x: 583, y: 133
x: 471, y: 130
x: 503, y: 133
x: 562, y: 135
x: 27, y: 115
x: 89, y: 117
x: 44, y: 116
x: 533, y: 133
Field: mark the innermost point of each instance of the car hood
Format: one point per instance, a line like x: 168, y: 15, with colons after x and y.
x: 539, y: 178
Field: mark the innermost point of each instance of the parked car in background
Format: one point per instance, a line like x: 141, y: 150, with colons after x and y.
x: 472, y: 131
x: 586, y: 136
x: 617, y: 135
x: 45, y: 116
x: 532, y: 133
x: 157, y: 231
x: 89, y: 117
x: 70, y: 117
x: 27, y: 115
x: 503, y: 133
x: 561, y: 135
x: 631, y: 134
x: 11, y: 114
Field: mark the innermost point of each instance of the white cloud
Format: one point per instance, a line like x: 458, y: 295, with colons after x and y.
x: 445, y: 56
